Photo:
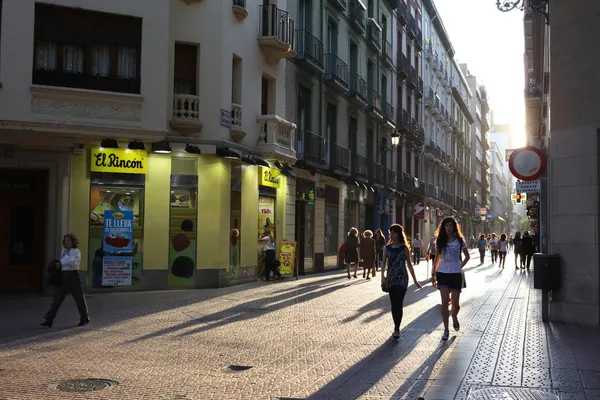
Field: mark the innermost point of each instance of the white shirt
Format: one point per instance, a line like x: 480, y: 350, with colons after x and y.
x: 70, y: 259
x: 502, y: 246
x: 417, y: 243
x: 450, y: 262
x: 268, y: 243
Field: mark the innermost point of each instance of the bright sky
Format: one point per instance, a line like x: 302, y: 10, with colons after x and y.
x: 492, y: 44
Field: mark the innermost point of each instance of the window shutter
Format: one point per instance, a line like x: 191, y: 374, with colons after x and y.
x: 60, y: 24
x: 186, y: 59
x: 113, y: 29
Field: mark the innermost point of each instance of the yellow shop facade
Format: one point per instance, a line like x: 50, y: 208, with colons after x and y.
x: 149, y: 221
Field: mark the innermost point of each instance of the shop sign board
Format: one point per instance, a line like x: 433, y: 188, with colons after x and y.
x: 116, y: 271
x: 287, y: 255
x: 482, y: 211
x: 527, y: 163
x: 270, y: 177
x: 118, y: 231
x: 122, y: 161
x: 225, y: 118
x: 528, y: 187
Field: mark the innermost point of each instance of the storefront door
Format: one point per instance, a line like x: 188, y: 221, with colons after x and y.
x: 23, y: 197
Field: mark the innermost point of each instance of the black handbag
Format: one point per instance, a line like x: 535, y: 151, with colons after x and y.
x: 54, y: 275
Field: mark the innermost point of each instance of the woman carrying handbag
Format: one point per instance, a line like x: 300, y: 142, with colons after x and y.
x: 394, y: 278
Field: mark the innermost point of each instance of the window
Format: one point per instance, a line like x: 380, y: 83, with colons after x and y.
x: 332, y: 36
x: 185, y: 69
x: 86, y: 49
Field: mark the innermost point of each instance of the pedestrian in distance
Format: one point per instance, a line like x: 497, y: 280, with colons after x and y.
x: 517, y: 242
x: 527, y: 250
x: 379, y: 245
x: 269, y: 250
x: 502, y: 250
x: 368, y: 254
x: 447, y: 272
x: 481, y: 245
x: 417, y: 244
x: 70, y: 282
x: 431, y: 249
x: 494, y: 248
x: 351, y: 255
x: 394, y: 274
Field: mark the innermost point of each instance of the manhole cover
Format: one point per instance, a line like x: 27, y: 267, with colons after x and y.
x: 85, y: 385
x: 510, y: 394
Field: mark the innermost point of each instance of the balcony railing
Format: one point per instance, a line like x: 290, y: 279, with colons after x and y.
x: 378, y: 173
x: 357, y: 16
x: 388, y: 52
x: 236, y: 117
x: 186, y: 114
x: 309, y: 48
x: 358, y: 89
x: 412, y: 78
x: 412, y: 27
x: 311, y: 147
x: 374, y: 34
x: 402, y: 12
x: 374, y: 101
x: 277, y: 31
x: 391, y: 178
x: 339, y: 5
x: 336, y: 71
x: 403, y: 65
x: 341, y: 158
x: 403, y: 121
x: 418, y: 38
x: 276, y: 137
x: 362, y: 166
x: 388, y: 112
x: 419, y: 88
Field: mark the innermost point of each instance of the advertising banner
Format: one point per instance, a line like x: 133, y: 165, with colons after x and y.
x: 118, y: 231
x: 266, y: 215
x: 116, y: 271
x: 287, y: 255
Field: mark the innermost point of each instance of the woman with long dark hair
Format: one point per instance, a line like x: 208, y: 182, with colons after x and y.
x: 379, y: 245
x: 446, y: 273
x: 396, y: 256
x: 70, y: 260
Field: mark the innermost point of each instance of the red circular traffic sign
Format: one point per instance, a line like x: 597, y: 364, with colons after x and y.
x: 527, y: 163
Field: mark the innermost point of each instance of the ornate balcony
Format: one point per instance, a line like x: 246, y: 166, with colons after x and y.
x: 374, y: 107
x: 403, y: 121
x: 276, y: 138
x: 240, y: 10
x: 418, y: 41
x: 374, y: 35
x: 309, y: 52
x: 388, y: 53
x: 310, y: 148
x: 403, y: 66
x: 341, y: 160
x: 378, y: 174
x: 388, y: 115
x: 402, y: 12
x: 391, y: 179
x: 236, y: 131
x: 358, y: 91
x: 276, y: 36
x: 339, y: 5
x: 411, y: 83
x: 336, y: 72
x: 411, y: 30
x: 357, y: 16
x: 186, y: 115
x: 360, y: 166
x: 419, y: 89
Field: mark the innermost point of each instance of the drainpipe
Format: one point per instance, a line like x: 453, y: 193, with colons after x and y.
x: 321, y: 33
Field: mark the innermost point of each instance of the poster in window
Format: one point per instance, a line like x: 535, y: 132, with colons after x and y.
x: 116, y: 271
x: 183, y: 239
x: 266, y: 215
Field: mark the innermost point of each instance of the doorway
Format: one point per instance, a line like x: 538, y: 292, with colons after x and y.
x: 23, y: 202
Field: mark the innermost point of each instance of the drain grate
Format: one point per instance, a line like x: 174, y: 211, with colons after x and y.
x: 505, y: 393
x: 85, y: 385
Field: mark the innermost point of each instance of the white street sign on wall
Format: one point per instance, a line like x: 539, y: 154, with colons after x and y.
x: 528, y: 187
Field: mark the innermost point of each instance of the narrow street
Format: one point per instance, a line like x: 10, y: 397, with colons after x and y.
x: 321, y: 337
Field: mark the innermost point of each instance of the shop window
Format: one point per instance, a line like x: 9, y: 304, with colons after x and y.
x: 22, y: 232
x: 332, y: 217
x: 235, y: 215
x: 183, y: 235
x: 266, y: 220
x: 116, y: 229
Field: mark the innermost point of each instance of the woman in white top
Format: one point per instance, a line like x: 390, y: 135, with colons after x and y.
x: 502, y: 249
x: 70, y: 260
x: 446, y: 273
x: 269, y: 249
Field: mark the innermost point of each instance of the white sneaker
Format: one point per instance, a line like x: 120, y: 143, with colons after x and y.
x: 396, y: 335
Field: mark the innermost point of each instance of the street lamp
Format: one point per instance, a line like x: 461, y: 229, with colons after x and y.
x: 395, y: 139
x: 395, y: 142
x: 539, y: 6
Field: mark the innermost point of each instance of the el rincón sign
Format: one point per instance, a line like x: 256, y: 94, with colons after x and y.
x: 118, y: 161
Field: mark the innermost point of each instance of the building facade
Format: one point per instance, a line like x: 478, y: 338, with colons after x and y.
x: 153, y: 116
x: 447, y: 125
x: 498, y: 216
x: 480, y: 147
x: 562, y: 119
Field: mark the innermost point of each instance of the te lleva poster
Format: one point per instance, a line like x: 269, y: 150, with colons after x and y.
x: 118, y: 231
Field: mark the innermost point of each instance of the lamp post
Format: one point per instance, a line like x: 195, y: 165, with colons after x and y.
x: 539, y: 6
x: 395, y: 138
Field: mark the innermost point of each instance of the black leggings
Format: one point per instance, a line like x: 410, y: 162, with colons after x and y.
x: 397, y: 300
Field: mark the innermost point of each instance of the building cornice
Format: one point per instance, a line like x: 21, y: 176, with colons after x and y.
x: 436, y: 21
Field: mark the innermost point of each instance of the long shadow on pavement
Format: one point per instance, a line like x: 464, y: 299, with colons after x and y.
x: 106, y: 309
x: 361, y: 376
x: 245, y: 311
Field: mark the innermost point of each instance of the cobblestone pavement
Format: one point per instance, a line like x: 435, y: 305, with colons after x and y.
x: 321, y: 337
